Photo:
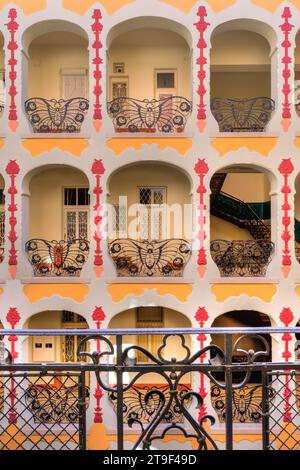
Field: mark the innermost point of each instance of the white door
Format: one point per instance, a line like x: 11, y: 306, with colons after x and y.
x: 43, y: 349
x: 74, y: 86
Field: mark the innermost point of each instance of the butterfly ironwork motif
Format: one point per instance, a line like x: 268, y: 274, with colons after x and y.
x: 57, y: 257
x: 243, y: 115
x: 150, y: 258
x: 56, y: 115
x: 164, y: 115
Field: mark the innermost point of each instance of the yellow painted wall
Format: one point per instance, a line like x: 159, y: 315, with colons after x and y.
x: 126, y: 182
x: 223, y: 230
x: 50, y: 54
x: 238, y: 85
x: 46, y: 201
x: 145, y: 50
x: 249, y: 187
x: 238, y: 49
x: 172, y: 319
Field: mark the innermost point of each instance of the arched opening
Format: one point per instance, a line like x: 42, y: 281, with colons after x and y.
x: 150, y: 223
x: 242, y: 91
x: 2, y: 75
x: 134, y: 398
x: 247, y: 399
x: 56, y: 202
x: 149, y: 82
x: 54, y: 349
x: 240, y: 221
x: 53, y: 397
x: 57, y: 88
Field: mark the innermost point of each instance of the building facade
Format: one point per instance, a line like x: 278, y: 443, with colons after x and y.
x: 149, y: 173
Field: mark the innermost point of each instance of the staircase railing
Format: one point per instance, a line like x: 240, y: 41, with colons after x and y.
x: 240, y: 213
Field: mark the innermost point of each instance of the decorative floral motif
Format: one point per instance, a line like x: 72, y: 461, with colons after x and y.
x: 12, y: 27
x: 286, y: 167
x: 13, y: 318
x: 12, y: 170
x: 98, y: 170
x: 286, y: 316
x: 286, y: 27
x: 201, y: 26
x: 202, y: 317
x: 201, y: 168
x: 98, y: 316
x: 97, y: 61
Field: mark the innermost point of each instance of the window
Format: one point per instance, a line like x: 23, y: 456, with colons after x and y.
x: 118, y: 87
x: 70, y: 343
x: 76, y: 213
x: 165, y: 80
x: 165, y: 84
x: 152, y: 201
x: 118, y: 221
x: 149, y: 317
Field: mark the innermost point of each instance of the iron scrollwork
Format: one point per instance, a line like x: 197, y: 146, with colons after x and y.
x: 242, y: 115
x: 167, y: 397
x: 242, y: 257
x: 56, y: 115
x: 150, y: 258
x: 57, y: 258
x: 166, y: 115
x: 136, y: 407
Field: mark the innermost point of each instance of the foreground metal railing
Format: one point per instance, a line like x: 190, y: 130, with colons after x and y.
x: 166, y: 115
x: 45, y: 406
x: 57, y: 258
x: 242, y: 115
x: 149, y: 258
x: 56, y: 115
x: 242, y: 258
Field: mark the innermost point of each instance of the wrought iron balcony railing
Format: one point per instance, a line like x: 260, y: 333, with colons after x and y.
x: 166, y: 115
x: 56, y: 115
x: 248, y: 258
x: 49, y: 403
x: 150, y: 258
x: 242, y: 115
x: 57, y: 258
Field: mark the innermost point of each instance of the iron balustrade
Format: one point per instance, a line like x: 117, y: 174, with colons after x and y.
x: 57, y: 258
x: 56, y: 115
x: 58, y: 420
x: 148, y: 258
x: 242, y: 258
x: 242, y: 115
x: 167, y: 115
